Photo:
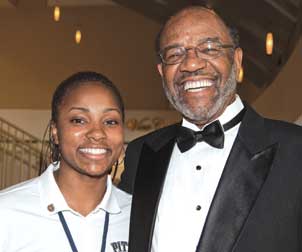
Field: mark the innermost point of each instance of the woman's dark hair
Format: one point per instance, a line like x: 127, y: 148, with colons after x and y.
x: 79, y: 79
x: 52, y: 153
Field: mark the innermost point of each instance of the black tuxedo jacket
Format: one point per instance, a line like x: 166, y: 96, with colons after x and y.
x: 257, y: 204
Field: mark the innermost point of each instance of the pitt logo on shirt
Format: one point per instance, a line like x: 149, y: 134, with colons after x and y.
x: 120, y: 246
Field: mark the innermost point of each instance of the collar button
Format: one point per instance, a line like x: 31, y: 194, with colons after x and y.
x: 50, y: 207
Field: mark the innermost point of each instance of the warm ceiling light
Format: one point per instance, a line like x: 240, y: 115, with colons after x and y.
x: 269, y: 43
x: 78, y: 36
x: 56, y: 13
x: 240, y: 75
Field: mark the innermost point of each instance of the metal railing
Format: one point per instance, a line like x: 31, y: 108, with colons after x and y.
x: 19, y: 154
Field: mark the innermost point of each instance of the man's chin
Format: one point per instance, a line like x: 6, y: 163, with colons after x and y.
x: 195, y: 115
x: 200, y: 113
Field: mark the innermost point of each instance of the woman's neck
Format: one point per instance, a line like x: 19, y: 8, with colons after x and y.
x: 82, y: 193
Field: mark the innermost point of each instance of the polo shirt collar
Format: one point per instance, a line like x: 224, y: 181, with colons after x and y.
x: 52, y: 200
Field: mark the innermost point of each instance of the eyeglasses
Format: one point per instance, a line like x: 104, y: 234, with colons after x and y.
x: 207, y: 50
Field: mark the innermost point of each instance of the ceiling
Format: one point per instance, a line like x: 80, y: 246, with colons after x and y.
x: 253, y: 19
x: 81, y: 3
x: 8, y: 3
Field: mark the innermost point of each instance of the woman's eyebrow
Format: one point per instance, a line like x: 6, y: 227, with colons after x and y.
x: 79, y: 108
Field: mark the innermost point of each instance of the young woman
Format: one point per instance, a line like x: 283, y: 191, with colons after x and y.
x: 73, y: 205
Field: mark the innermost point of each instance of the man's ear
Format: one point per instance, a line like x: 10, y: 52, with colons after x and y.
x: 54, y: 133
x: 238, y: 55
x: 160, y: 69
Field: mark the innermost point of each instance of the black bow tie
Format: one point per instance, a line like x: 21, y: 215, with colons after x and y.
x: 212, y: 134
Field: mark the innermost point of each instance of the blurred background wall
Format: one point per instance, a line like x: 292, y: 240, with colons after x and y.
x: 37, y: 53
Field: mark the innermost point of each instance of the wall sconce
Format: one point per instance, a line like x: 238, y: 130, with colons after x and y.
x: 78, y: 36
x: 240, y: 75
x: 56, y: 13
x: 269, y: 43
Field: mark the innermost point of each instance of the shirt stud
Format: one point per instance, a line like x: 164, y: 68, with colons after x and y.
x: 198, y: 167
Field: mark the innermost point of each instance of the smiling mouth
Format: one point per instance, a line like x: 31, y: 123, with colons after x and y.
x: 93, y: 151
x: 196, y: 86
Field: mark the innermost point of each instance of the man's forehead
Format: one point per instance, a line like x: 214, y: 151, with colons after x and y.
x: 192, y: 12
x: 194, y: 25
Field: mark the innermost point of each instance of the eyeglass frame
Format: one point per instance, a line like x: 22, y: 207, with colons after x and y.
x: 207, y: 40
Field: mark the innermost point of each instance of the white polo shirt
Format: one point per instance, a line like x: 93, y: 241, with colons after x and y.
x: 29, y: 220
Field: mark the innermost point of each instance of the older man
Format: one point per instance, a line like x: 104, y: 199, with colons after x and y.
x: 225, y: 178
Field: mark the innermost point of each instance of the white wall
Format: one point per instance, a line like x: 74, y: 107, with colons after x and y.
x: 32, y: 121
x: 299, y: 120
x: 282, y: 99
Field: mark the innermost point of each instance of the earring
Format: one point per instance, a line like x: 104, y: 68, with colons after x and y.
x: 118, y: 168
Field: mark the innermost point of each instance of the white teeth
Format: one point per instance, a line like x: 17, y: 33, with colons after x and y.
x: 93, y: 151
x: 193, y: 85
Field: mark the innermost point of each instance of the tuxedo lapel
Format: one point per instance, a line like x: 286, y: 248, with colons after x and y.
x: 244, y: 174
x: 152, y: 167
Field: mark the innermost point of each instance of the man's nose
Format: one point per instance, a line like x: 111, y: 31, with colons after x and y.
x: 192, y: 62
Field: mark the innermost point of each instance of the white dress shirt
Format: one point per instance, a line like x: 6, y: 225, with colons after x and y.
x: 189, y: 188
x: 29, y: 220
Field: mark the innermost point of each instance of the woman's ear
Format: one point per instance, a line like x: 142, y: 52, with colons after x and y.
x: 54, y: 133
